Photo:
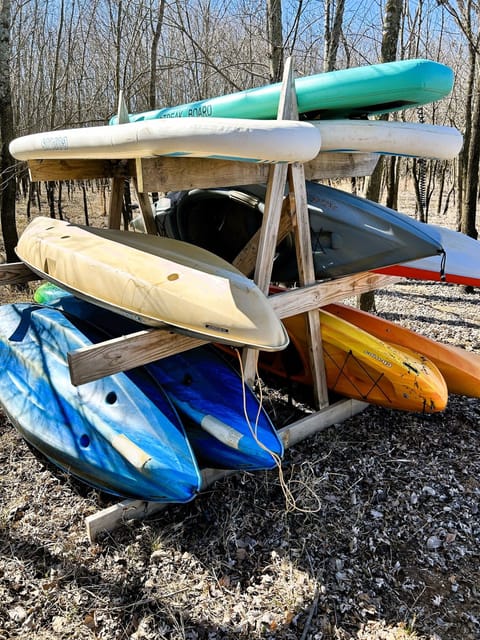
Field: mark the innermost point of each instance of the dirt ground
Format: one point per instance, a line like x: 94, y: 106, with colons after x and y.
x: 382, y: 541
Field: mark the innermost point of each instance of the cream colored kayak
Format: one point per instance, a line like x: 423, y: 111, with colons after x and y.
x: 237, y: 139
x: 153, y: 280
x: 223, y: 138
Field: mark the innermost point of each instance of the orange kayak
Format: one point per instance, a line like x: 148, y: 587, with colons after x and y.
x: 361, y: 366
x: 460, y: 368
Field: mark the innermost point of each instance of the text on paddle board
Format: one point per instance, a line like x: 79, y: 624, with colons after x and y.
x: 201, y: 111
x: 55, y: 142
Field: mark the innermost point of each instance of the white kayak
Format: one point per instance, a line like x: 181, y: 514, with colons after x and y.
x: 153, y: 280
x: 222, y: 138
x: 460, y: 266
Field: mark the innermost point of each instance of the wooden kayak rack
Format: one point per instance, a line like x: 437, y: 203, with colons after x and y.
x: 281, y: 216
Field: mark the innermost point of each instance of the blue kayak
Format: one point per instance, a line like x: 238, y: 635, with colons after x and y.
x: 108, y: 433
x: 225, y: 424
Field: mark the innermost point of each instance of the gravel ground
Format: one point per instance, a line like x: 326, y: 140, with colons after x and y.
x: 382, y: 542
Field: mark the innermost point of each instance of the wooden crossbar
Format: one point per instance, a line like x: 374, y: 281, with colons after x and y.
x: 126, y: 352
x: 133, y: 350
x: 168, y: 174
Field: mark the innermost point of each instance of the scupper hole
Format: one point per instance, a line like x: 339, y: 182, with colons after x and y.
x: 84, y: 440
x: 111, y: 397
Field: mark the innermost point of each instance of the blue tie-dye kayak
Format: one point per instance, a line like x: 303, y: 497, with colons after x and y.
x: 109, y: 433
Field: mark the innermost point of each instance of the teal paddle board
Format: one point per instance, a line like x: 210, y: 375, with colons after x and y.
x: 355, y: 92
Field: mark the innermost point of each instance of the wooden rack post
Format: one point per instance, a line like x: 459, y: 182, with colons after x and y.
x: 269, y: 236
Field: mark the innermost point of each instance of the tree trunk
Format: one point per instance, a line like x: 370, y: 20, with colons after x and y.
x: 466, y: 16
x: 7, y: 164
x: 152, y: 97
x: 391, y: 30
x: 275, y: 39
x: 467, y: 135
x: 332, y: 34
x: 152, y: 88
x: 56, y: 67
x: 392, y: 182
x: 469, y: 208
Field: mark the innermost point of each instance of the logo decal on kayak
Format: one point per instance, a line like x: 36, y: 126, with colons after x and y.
x: 215, y: 328
x: 376, y: 357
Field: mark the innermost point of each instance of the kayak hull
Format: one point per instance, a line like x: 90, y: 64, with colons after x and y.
x: 461, y: 264
x: 361, y: 366
x: 346, y: 93
x: 460, y: 368
x: 153, y: 280
x: 219, y: 138
x: 106, y: 432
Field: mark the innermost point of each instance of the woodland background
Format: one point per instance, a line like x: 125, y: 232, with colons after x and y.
x: 385, y: 542
x: 63, y: 63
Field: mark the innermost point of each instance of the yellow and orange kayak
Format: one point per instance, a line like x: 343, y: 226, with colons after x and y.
x: 361, y: 366
x: 460, y: 368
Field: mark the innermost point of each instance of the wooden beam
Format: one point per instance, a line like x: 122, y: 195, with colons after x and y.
x: 314, y: 296
x: 176, y: 174
x: 267, y: 240
x: 171, y: 174
x: 331, y: 165
x: 124, y: 353
x: 120, y: 354
x: 116, y: 203
x: 116, y: 515
x: 306, y: 271
x: 342, y: 410
x: 246, y: 259
x: 77, y: 169
x: 16, y: 273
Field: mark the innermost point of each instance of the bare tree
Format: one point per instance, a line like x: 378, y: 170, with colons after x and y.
x: 166, y: 53
x: 157, y: 29
x: 332, y: 31
x: 467, y: 17
x: 275, y: 39
x: 7, y: 165
x: 391, y: 31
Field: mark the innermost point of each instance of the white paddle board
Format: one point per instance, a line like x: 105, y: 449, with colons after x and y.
x: 390, y: 138
x: 222, y: 138
x: 252, y: 140
x: 153, y: 280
